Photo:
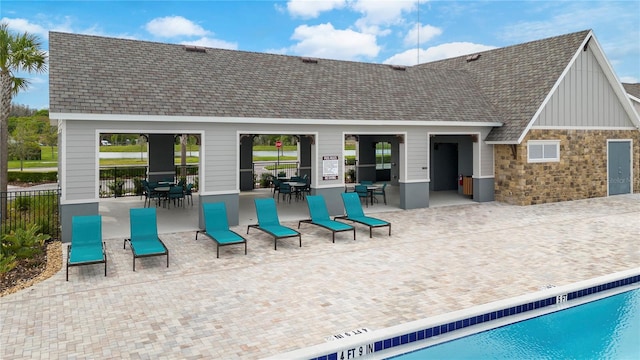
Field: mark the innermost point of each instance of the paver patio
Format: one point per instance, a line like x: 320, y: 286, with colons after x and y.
x: 268, y: 302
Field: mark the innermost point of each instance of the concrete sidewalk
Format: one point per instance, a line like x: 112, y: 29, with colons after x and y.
x: 268, y: 302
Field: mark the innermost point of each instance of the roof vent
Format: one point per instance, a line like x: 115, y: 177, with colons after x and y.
x: 398, y: 67
x: 191, y: 48
x: 473, y: 57
x: 309, y: 60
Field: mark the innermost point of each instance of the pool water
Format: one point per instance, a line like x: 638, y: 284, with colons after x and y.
x: 603, y: 329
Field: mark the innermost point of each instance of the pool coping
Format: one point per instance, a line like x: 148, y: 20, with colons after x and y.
x: 417, y: 334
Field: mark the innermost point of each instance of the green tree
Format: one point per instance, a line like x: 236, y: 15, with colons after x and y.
x: 17, y: 53
x: 26, y: 138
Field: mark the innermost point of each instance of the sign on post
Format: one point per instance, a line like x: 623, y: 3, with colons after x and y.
x: 278, y: 144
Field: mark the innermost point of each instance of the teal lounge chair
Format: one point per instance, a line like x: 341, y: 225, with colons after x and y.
x: 354, y: 213
x: 144, y: 239
x: 86, y: 245
x: 268, y: 222
x: 320, y: 216
x: 217, y: 227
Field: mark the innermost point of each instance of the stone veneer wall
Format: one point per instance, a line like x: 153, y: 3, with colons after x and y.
x: 581, y: 172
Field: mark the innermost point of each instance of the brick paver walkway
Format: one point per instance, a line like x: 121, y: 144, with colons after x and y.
x: 268, y: 302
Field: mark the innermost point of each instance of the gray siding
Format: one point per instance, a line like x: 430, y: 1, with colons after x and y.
x: 486, y: 157
x: 220, y: 147
x: 584, y: 98
x: 417, y: 148
x: 79, y: 175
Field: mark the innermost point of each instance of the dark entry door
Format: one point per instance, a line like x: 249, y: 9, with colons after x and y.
x: 619, y: 167
x: 445, y: 167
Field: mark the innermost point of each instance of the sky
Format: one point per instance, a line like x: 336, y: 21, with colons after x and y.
x: 403, y: 32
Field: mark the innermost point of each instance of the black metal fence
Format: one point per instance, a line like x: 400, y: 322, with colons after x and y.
x: 117, y: 181
x: 23, y: 208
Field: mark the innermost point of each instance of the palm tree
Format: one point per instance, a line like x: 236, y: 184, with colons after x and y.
x: 17, y: 53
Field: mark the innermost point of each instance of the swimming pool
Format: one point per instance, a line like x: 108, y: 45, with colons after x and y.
x: 439, y: 329
x: 608, y: 328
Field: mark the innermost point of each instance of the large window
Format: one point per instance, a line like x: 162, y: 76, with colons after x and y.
x: 543, y: 151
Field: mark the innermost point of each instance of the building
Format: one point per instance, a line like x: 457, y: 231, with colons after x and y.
x: 537, y: 122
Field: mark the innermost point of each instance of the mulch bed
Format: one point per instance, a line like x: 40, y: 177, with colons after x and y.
x: 32, y: 271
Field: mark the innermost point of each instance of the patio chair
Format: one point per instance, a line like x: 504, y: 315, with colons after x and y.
x: 268, y: 222
x: 285, y: 189
x: 381, y: 191
x: 355, y: 213
x: 176, y: 193
x: 320, y: 217
x: 151, y: 194
x: 86, y: 245
x: 363, y: 193
x: 217, y: 227
x: 188, y: 193
x: 144, y: 240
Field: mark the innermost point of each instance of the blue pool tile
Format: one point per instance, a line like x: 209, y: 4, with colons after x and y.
x: 377, y: 346
x: 443, y: 329
x: 421, y: 335
x: 458, y: 324
x: 387, y: 343
x: 413, y: 336
x: 396, y: 341
x: 404, y: 339
x: 436, y: 331
x: 333, y: 356
x: 465, y: 322
x: 473, y: 320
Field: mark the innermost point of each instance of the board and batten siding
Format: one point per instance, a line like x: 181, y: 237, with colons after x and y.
x: 584, y: 98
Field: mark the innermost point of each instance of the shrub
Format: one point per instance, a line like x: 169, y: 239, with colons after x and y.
x: 24, y: 243
x: 265, y: 180
x: 32, y: 177
x: 7, y: 262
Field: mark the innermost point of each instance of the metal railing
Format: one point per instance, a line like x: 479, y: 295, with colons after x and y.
x: 263, y: 171
x: 40, y: 207
x: 117, y: 181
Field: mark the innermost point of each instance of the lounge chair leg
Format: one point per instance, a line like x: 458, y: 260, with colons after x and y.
x: 134, y: 263
x: 217, y: 251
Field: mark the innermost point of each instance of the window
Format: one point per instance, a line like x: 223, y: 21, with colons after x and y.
x: 543, y: 151
x: 383, y: 155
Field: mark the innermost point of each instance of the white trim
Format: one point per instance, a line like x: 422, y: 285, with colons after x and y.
x: 221, y: 192
x: 630, y: 141
x: 603, y: 128
x: 633, y: 98
x: 543, y: 143
x: 62, y: 159
x: 415, y: 181
x: 79, y: 202
x: 274, y: 121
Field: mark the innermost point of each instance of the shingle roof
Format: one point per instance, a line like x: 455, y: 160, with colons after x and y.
x: 516, y: 79
x: 632, y: 89
x: 98, y: 75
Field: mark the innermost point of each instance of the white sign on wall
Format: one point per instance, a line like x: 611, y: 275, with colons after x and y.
x: 330, y: 167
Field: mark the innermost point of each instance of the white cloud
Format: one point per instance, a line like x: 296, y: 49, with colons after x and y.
x: 439, y: 52
x: 212, y: 43
x: 324, y: 41
x: 377, y: 12
x: 427, y: 32
x: 20, y: 26
x: 312, y: 9
x: 172, y: 26
x: 629, y: 80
